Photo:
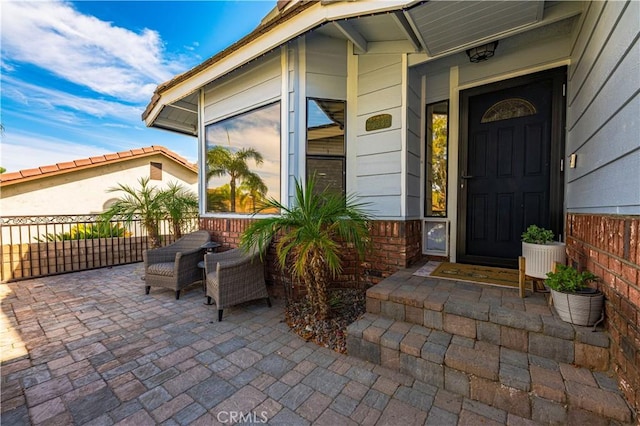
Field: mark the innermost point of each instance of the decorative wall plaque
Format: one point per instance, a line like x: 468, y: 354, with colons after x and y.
x: 377, y: 122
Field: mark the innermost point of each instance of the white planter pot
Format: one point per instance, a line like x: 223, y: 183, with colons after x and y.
x: 540, y: 258
x: 578, y: 309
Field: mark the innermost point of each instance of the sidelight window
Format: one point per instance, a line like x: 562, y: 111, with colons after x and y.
x: 326, y: 144
x: 437, y: 143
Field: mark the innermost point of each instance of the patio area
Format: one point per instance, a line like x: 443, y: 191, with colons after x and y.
x: 91, y: 348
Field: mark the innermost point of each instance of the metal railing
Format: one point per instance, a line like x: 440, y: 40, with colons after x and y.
x: 37, y: 246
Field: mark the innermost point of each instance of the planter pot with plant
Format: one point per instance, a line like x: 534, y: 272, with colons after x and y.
x: 541, y: 251
x: 573, y: 300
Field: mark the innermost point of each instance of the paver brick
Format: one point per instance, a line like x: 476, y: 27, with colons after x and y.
x: 400, y: 413
x: 515, y: 377
x: 432, y: 319
x: 365, y: 415
x: 45, y: 411
x: 344, y: 405
x: 438, y: 417
x: 361, y: 375
x: 592, y: 357
x: 412, y: 343
x: 515, y: 319
x: 189, y: 414
x: 414, y: 315
x: 551, y: 347
x: 601, y: 402
x: 171, y: 407
x: 499, y: 396
x: 47, y: 390
x: 548, y: 412
x: 471, y: 310
x: 472, y: 361
x: 325, y: 381
x: 415, y: 398
x: 547, y: 383
x: 314, y: 406
x: 93, y: 405
x: 484, y: 410
x: 372, y: 305
x: 391, y: 339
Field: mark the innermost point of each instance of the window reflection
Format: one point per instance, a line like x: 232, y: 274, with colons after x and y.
x: 326, y: 143
x: 243, y: 161
x: 437, y: 139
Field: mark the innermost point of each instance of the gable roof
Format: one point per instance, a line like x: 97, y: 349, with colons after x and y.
x: 290, y: 20
x: 275, y: 18
x: 87, y: 163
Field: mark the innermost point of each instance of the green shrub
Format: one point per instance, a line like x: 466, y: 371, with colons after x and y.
x: 568, y: 280
x: 86, y: 232
x: 537, y: 235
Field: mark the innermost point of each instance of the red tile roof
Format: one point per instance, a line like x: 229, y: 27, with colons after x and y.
x: 85, y: 163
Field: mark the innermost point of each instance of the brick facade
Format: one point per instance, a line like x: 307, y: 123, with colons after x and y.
x: 395, y: 245
x: 609, y: 246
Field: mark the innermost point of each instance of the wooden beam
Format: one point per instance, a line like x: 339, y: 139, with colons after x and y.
x: 402, y: 22
x: 352, y: 34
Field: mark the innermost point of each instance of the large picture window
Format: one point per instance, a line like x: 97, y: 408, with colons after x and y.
x: 326, y: 144
x: 437, y: 139
x: 243, y: 161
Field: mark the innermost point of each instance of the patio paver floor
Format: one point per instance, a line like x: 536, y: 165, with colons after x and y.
x: 92, y: 348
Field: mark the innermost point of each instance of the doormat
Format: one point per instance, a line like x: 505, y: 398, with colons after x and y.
x: 477, y: 274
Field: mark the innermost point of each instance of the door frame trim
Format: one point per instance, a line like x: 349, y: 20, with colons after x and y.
x: 558, y: 119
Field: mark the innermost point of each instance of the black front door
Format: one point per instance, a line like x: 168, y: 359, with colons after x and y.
x: 510, y: 165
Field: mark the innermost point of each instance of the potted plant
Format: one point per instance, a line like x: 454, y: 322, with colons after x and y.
x: 573, y: 300
x: 541, y: 252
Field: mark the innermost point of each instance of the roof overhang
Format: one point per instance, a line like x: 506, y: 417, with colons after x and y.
x: 427, y: 29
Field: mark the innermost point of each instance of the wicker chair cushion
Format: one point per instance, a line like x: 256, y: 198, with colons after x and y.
x: 165, y: 269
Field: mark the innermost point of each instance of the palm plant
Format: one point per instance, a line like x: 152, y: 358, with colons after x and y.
x: 181, y: 204
x: 146, y: 201
x: 310, y: 237
x: 222, y: 160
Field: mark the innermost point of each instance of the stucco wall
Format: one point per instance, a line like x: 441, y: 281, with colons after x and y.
x: 85, y: 191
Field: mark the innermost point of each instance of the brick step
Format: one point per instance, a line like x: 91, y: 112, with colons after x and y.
x: 492, y: 315
x: 524, y: 384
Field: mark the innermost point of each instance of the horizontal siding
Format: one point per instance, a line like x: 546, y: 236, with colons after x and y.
x: 380, y: 101
x: 598, y: 151
x: 414, y: 103
x: 437, y: 86
x: 240, y: 92
x: 379, y: 164
x: 608, y: 72
x: 614, y: 188
x: 379, y: 157
x: 378, y: 142
x: 326, y: 68
x: 604, y: 111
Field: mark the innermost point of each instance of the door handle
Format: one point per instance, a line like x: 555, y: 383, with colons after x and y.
x: 466, y: 177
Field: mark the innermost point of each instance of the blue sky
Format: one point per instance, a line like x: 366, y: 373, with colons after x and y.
x: 76, y: 76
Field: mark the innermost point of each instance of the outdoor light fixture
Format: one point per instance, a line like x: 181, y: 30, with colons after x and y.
x: 482, y: 53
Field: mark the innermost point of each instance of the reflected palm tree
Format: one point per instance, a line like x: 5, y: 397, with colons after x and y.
x: 222, y: 161
x: 218, y: 198
x: 253, y: 190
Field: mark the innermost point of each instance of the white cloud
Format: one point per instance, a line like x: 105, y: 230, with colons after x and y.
x: 31, y: 151
x: 84, y: 50
x: 64, y: 107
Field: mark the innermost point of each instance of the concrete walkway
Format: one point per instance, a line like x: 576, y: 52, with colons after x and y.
x: 91, y: 348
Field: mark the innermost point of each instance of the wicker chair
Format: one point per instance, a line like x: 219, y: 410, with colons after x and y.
x: 176, y: 265
x: 234, y: 277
